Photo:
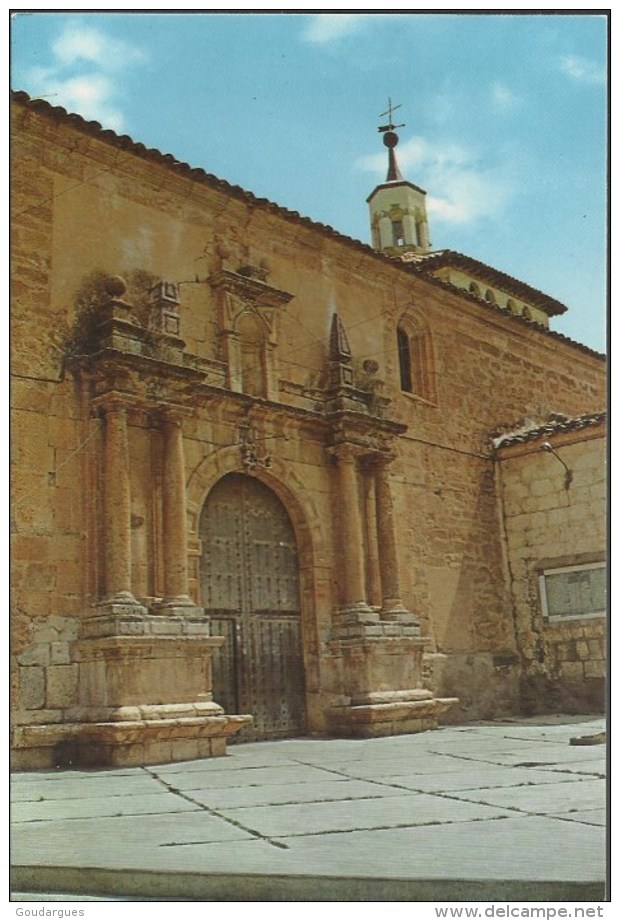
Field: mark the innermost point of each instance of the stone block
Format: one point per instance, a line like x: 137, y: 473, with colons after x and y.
x: 571, y: 669
x: 595, y: 649
x: 595, y: 669
x: 40, y: 576
x: 582, y: 649
x: 62, y: 434
x: 59, y: 654
x: 30, y: 548
x: 69, y: 576
x: 33, y: 396
x: 36, y: 654
x: 32, y: 687
x: 35, y: 603
x: 31, y: 450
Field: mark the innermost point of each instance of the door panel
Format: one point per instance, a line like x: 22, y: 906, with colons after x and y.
x: 250, y: 587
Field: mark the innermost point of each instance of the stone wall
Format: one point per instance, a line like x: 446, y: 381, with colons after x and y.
x: 554, y: 520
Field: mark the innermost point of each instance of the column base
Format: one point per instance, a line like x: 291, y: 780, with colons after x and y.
x: 357, y: 613
x: 120, y: 603
x: 389, y: 714
x: 394, y: 611
x: 182, y: 606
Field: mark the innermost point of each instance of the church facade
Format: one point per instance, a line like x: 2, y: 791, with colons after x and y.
x: 270, y: 481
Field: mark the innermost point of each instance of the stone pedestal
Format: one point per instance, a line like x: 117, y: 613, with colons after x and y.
x: 144, y: 696
x: 381, y: 668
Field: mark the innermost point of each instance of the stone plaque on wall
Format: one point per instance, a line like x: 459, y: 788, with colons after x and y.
x: 580, y: 591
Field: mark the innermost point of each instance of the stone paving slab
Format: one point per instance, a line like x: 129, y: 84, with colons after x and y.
x: 370, y: 769
x: 550, y: 799
x: 134, y: 804
x: 470, y: 778
x: 118, y: 841
x: 526, y: 848
x: 283, y: 794
x: 538, y: 753
x: 92, y: 774
x: 70, y: 787
x: 593, y: 768
x: 279, y: 774
x: 237, y: 758
x: 365, y: 814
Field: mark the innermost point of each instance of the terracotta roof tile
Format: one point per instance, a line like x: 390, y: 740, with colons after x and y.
x: 554, y: 425
x: 430, y: 262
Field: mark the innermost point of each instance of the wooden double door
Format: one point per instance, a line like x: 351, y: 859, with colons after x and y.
x: 250, y: 588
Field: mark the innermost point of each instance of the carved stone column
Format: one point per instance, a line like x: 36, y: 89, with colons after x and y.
x: 392, y: 605
x: 116, y: 506
x: 174, y: 515
x: 353, y: 599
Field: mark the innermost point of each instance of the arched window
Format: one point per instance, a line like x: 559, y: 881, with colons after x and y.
x: 512, y: 307
x: 474, y: 289
x: 415, y: 359
x: 404, y: 360
x: 398, y: 233
x: 489, y: 296
x: 527, y: 313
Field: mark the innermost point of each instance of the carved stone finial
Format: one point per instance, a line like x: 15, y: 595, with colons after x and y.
x: 339, y: 348
x: 115, y: 286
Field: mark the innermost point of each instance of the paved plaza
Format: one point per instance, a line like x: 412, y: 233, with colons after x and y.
x: 502, y: 810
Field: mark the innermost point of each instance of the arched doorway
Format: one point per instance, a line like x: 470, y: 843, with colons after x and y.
x: 250, y: 588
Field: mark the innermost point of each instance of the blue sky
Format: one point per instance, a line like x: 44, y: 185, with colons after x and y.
x: 506, y: 120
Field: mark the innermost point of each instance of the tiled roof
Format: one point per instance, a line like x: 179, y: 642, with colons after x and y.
x: 124, y: 142
x: 555, y: 425
x: 430, y: 262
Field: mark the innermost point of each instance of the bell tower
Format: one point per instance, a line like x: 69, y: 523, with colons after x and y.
x: 397, y: 207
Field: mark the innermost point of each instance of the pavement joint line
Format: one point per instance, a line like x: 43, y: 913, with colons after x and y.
x: 214, y: 812
x: 379, y: 783
x: 539, y: 764
x: 587, y: 775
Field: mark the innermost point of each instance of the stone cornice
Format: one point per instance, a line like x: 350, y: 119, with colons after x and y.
x: 255, y: 292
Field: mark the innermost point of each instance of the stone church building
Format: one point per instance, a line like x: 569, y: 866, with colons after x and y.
x: 271, y: 481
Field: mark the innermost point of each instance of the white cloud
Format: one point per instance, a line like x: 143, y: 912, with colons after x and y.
x: 329, y: 27
x: 83, y: 74
x: 582, y: 69
x: 504, y: 98
x: 83, y: 43
x: 461, y: 189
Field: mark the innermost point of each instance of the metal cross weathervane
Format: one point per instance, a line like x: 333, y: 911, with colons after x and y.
x: 390, y: 111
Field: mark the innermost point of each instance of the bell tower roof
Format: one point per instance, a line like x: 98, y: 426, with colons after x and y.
x: 397, y: 207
